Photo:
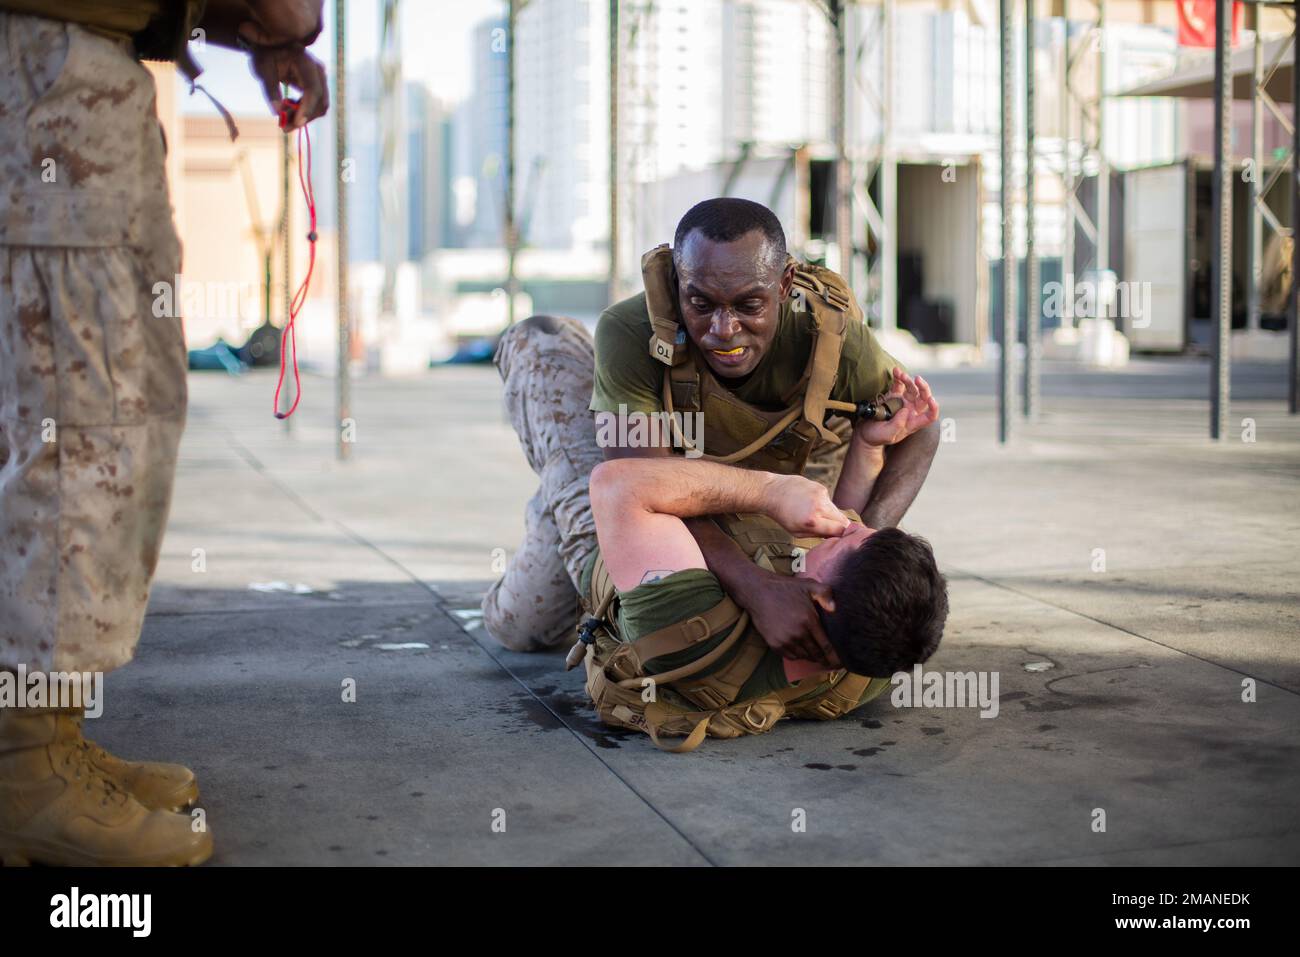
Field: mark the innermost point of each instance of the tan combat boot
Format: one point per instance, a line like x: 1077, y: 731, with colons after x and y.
x: 57, y: 808
x: 159, y: 787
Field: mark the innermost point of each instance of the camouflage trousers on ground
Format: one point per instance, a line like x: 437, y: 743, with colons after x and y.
x: 92, y: 383
x: 547, y: 364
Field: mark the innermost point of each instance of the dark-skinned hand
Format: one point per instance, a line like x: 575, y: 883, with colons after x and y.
x: 784, y: 609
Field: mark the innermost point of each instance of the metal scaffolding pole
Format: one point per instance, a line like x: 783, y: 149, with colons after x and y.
x: 1090, y: 109
x: 1068, y: 184
x: 1006, y: 383
x: 1221, y: 267
x: 343, y: 396
x: 888, y: 178
x: 877, y: 280
x: 1255, y: 240
x: 1033, y: 294
x: 614, y: 88
x: 1101, y: 243
x: 393, y: 233
x: 511, y: 227
x: 839, y: 110
x: 1293, y: 307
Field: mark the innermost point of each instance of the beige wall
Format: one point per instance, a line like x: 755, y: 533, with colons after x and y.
x: 226, y: 195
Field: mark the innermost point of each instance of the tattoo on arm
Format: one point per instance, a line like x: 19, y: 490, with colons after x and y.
x: 655, y: 575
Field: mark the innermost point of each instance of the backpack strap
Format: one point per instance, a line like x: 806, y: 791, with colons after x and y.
x: 839, y: 699
x: 666, y: 333
x: 685, y: 634
x: 822, y: 293
x: 722, y: 687
x: 627, y: 660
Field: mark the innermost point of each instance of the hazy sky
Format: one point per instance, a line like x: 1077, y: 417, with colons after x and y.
x: 435, y: 49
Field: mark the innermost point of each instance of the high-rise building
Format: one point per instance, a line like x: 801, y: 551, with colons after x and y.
x: 429, y: 182
x: 562, y: 124
x: 478, y: 185
x: 705, y: 78
x: 777, y: 72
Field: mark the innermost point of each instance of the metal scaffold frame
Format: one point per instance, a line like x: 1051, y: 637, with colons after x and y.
x: 858, y: 166
x: 1261, y: 213
x: 627, y: 20
x: 1088, y: 108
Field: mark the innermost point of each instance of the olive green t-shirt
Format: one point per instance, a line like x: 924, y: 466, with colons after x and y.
x: 628, y: 376
x: 647, y: 608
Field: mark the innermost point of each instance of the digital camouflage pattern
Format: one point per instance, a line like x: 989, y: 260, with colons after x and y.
x: 92, y: 384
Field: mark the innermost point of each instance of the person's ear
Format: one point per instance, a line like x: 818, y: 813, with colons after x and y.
x: 787, y: 280
x: 822, y: 597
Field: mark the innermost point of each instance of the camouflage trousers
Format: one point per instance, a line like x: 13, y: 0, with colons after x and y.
x: 92, y: 383
x: 547, y: 364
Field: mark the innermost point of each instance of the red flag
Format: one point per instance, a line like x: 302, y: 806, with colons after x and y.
x: 1196, y: 22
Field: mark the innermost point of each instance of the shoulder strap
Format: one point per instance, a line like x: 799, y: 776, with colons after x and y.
x: 661, y: 303
x: 839, y: 699
x: 831, y: 303
x: 684, y: 634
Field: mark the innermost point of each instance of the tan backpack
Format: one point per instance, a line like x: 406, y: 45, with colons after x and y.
x: 682, y: 702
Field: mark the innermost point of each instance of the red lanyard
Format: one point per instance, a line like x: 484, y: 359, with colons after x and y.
x: 288, y: 337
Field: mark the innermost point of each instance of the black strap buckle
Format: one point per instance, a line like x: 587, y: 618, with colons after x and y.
x: 879, y: 409
x: 587, y: 630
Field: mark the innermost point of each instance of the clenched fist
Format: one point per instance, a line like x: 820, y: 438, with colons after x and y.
x: 803, y: 507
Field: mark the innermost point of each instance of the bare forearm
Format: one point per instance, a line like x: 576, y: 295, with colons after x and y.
x: 862, y: 467
x: 685, y: 488
x: 905, y: 468
x: 724, y: 557
x: 221, y: 20
x: 264, y: 22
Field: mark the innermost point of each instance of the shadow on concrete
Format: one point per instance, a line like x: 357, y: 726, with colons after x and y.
x: 447, y: 733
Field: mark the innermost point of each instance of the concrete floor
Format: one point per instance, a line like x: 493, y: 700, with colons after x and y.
x: 1140, y: 713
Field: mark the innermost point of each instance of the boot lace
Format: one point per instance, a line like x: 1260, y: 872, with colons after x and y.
x: 79, y: 761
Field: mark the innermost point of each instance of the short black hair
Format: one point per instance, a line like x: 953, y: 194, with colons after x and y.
x: 891, y: 603
x: 726, y: 218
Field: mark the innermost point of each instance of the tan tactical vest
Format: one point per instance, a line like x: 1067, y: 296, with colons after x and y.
x: 737, y: 432
x: 681, y: 702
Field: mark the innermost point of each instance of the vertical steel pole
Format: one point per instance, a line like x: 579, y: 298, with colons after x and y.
x: 1067, y: 176
x: 1103, y: 168
x: 1006, y: 384
x: 1221, y: 267
x: 343, y: 397
x: 1255, y: 243
x: 511, y: 228
x: 843, y: 176
x: 392, y: 162
x: 1293, y: 390
x: 1033, y: 294
x: 614, y: 291
x: 888, y: 179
